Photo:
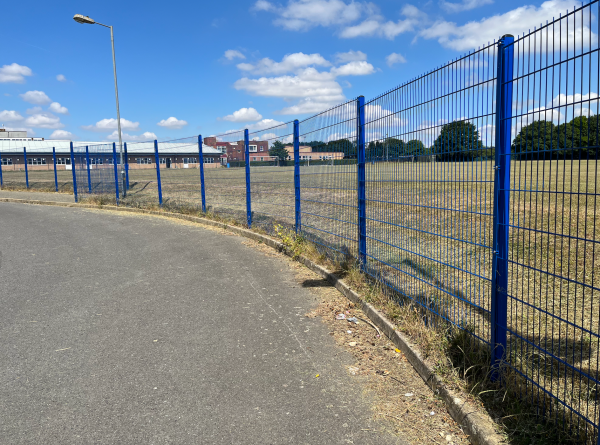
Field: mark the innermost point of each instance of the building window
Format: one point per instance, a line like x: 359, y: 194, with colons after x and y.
x: 252, y: 148
x: 94, y: 161
x: 63, y: 161
x: 162, y: 160
x: 189, y: 161
x: 208, y: 160
x: 144, y: 160
x: 36, y: 161
x: 262, y: 148
x: 7, y: 161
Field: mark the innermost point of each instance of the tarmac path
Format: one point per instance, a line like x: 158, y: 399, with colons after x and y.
x: 130, y: 329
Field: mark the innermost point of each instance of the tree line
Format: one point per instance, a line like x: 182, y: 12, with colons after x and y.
x: 461, y: 141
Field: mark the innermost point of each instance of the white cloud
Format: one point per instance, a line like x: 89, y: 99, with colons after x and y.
x: 231, y: 54
x: 317, y: 90
x: 376, y: 26
x: 58, y: 108
x: 62, y: 134
x: 10, y: 116
x: 264, y: 124
x: 43, y: 120
x: 395, y: 58
x: 353, y: 69
x: 243, y: 115
x: 35, y: 97
x: 350, y: 56
x: 289, y: 63
x: 111, y: 124
x: 172, y: 123
x: 61, y: 78
x: 473, y: 34
x: 34, y: 110
x: 144, y: 137
x: 14, y: 73
x: 464, y: 5
x: 302, y: 15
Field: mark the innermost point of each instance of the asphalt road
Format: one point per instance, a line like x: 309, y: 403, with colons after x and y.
x: 126, y: 329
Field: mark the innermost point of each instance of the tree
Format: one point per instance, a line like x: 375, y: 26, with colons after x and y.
x: 278, y: 149
x: 416, y: 148
x: 458, y: 141
x: 386, y: 150
x: 537, y: 140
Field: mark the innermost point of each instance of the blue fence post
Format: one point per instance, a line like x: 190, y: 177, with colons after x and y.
x: 201, y: 160
x: 126, y: 166
x: 297, y: 175
x: 499, y: 300
x: 74, y: 174
x: 248, y: 184
x: 26, y: 171
x: 158, y: 172
x: 87, y: 162
x: 55, y: 175
x: 362, y: 211
x: 1, y: 180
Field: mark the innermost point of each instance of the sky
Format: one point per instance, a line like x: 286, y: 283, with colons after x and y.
x: 188, y: 68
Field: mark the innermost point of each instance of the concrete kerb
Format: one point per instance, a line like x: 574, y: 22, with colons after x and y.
x: 476, y: 423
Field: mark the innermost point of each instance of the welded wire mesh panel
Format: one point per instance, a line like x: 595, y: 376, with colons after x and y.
x: 13, y: 168
x: 328, y: 179
x: 272, y: 177
x: 429, y: 190
x: 141, y: 165
x: 179, y: 162
x: 554, y: 271
x: 94, y: 169
x: 225, y: 185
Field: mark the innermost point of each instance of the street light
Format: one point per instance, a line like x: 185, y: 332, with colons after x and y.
x: 87, y: 20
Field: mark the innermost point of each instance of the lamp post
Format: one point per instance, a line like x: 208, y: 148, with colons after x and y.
x: 86, y: 20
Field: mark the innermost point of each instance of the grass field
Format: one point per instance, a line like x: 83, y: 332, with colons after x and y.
x: 430, y: 237
x: 40, y: 180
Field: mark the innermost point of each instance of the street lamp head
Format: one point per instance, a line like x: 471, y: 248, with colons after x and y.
x: 83, y: 19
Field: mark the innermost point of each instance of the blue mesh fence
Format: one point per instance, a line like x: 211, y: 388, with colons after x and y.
x: 272, y: 186
x: 95, y: 169
x: 225, y: 187
x: 328, y: 180
x: 141, y: 173
x: 429, y: 190
x: 179, y: 162
x: 12, y: 162
x: 552, y: 290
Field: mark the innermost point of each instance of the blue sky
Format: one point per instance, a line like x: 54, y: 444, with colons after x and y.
x: 188, y: 68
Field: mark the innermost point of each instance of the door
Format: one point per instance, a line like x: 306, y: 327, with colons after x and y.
x: 168, y: 162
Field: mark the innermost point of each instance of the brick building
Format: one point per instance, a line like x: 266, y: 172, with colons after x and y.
x: 235, y: 151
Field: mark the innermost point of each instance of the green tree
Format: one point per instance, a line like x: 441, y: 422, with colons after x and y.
x: 538, y: 140
x: 416, y: 148
x: 278, y: 149
x: 458, y: 141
